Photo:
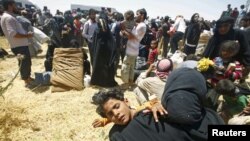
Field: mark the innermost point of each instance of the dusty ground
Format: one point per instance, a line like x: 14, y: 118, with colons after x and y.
x: 40, y: 115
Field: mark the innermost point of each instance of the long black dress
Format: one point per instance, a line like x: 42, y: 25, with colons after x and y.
x: 104, y: 53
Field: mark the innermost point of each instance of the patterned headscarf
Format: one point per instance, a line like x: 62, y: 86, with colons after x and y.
x: 163, y: 68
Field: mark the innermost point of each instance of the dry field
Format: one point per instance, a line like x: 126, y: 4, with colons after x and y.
x: 40, y: 115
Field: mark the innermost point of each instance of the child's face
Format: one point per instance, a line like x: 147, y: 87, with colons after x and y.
x: 117, y: 111
x: 226, y: 54
x: 153, y: 45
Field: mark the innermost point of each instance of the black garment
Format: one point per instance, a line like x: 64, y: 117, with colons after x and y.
x: 118, y: 43
x: 165, y: 46
x: 189, y: 49
x: 25, y: 69
x: 86, y: 67
x: 144, y: 128
x: 187, y: 118
x: 174, y: 41
x: 52, y: 30
x: 212, y: 49
x: 1, y: 30
x: 247, y: 31
x: 3, y: 52
x: 166, y: 38
x: 192, y: 36
x: 49, y: 57
x: 104, y: 52
x: 184, y: 87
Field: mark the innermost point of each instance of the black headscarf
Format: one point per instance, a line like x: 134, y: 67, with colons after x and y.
x: 212, y: 49
x: 184, y: 87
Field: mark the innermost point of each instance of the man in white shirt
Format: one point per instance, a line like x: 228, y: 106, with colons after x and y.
x: 17, y: 38
x: 180, y: 26
x: 132, y: 50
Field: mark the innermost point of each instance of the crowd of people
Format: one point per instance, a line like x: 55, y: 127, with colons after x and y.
x: 178, y: 93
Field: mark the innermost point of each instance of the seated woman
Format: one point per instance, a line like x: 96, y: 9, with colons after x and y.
x: 226, y: 65
x: 182, y: 98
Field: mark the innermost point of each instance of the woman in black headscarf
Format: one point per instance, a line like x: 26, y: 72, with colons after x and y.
x: 193, y: 32
x: 224, y: 31
x: 187, y: 119
x: 104, y: 53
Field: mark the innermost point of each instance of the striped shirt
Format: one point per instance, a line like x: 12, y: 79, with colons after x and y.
x: 11, y: 27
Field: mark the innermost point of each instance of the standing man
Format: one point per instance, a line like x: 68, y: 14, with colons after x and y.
x: 18, y: 39
x: 166, y: 37
x: 88, y: 31
x: 132, y: 50
x: 180, y: 27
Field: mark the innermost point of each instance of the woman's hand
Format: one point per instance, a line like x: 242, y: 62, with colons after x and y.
x: 156, y: 107
x: 100, y: 122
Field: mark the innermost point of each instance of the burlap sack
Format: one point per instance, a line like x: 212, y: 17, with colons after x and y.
x: 67, y: 69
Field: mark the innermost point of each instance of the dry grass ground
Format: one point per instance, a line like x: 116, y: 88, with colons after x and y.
x: 40, y: 115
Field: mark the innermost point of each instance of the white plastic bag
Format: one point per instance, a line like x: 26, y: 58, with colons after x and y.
x: 40, y: 36
x: 86, y: 80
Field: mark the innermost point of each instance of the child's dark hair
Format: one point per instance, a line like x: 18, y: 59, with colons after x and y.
x: 191, y: 57
x: 154, y: 42
x: 230, y: 46
x: 225, y: 87
x: 74, y: 43
x: 101, y: 97
x: 129, y: 15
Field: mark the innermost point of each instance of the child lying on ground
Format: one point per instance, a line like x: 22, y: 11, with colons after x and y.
x: 101, y: 122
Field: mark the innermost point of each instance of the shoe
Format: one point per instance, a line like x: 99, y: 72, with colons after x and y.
x: 31, y: 85
x: 124, y: 86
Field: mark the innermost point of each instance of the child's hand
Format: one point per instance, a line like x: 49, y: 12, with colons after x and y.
x: 151, y: 67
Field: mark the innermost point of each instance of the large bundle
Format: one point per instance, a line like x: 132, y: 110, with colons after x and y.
x: 67, y: 69
x: 204, y: 37
x: 40, y: 36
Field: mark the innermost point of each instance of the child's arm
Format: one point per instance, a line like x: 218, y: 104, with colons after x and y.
x: 234, y: 72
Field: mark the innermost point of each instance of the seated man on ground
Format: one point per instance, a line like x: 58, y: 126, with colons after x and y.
x: 148, y: 86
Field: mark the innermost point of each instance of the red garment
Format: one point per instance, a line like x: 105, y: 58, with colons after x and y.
x: 77, y: 25
x: 152, y: 56
x: 233, y: 73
